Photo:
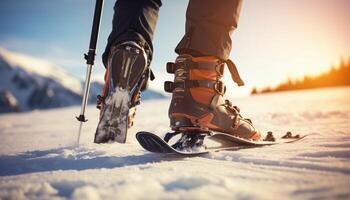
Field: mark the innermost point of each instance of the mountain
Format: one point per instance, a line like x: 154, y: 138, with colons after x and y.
x: 28, y: 83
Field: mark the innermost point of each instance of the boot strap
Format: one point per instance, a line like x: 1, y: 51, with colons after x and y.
x: 188, y: 64
x: 218, y: 86
x: 212, y: 66
x: 234, y: 72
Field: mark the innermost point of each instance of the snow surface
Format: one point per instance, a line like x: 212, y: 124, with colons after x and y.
x: 38, y: 159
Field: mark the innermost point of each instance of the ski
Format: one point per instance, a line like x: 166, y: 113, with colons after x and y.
x: 219, y: 142
x: 155, y: 144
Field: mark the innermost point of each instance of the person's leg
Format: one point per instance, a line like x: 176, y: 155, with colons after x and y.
x: 209, y: 25
x: 127, y: 58
x: 133, y: 20
x: 197, y: 103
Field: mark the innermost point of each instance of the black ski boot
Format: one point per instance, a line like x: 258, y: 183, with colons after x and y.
x: 127, y: 74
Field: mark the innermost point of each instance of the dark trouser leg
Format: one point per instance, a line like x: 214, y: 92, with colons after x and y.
x: 134, y: 20
x: 209, y: 25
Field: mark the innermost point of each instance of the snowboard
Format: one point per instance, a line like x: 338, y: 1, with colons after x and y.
x: 153, y: 143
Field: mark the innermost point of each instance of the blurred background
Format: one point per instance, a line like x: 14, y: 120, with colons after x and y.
x: 279, y: 45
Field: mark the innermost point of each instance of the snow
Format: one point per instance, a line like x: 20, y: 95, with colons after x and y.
x: 38, y: 159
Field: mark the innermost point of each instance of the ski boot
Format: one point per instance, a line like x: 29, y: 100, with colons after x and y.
x: 126, y: 76
x: 197, y: 104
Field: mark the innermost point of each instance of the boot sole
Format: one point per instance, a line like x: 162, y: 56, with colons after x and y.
x: 129, y: 63
x: 114, y: 122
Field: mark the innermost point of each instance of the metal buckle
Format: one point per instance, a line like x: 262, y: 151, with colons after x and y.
x: 220, y: 87
x: 170, y: 67
x: 168, y: 86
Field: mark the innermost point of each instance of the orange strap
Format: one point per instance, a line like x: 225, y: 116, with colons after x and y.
x: 234, y: 72
x: 231, y: 66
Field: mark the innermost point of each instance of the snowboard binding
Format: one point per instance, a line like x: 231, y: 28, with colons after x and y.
x: 269, y: 137
x: 188, y: 140
x: 289, y: 135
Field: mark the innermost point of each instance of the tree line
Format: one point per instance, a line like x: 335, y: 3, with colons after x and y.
x: 336, y: 76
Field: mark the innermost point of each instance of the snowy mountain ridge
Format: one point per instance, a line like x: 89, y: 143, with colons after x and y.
x: 28, y: 83
x: 36, y: 66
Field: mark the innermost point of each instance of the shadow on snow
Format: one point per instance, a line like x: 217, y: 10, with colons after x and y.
x: 55, y: 159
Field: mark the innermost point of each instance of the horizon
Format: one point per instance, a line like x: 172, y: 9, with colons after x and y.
x: 286, y: 39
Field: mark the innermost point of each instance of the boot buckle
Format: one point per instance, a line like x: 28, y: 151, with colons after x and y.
x: 170, y: 67
x: 220, y: 87
x: 169, y: 86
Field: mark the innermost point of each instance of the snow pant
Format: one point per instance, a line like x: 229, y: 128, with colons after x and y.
x: 209, y: 25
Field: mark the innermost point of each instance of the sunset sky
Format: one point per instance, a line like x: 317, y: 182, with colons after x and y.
x: 275, y: 39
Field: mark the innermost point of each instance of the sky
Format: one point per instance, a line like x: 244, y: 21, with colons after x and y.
x: 275, y: 39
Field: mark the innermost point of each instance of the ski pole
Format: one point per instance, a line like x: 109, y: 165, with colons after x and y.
x: 90, y: 58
